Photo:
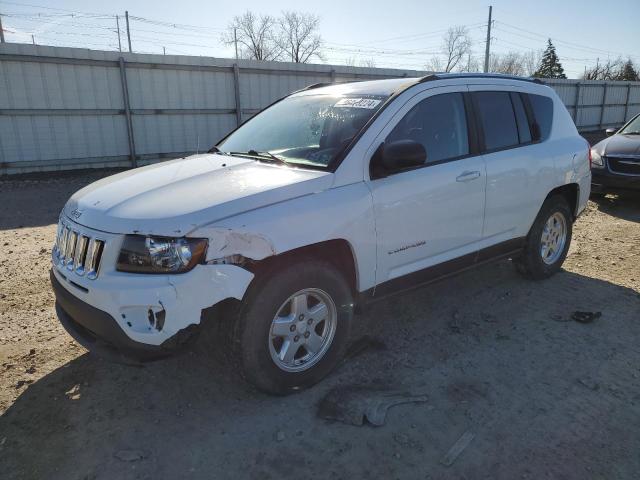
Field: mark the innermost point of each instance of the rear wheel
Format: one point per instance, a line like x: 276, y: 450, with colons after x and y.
x: 548, y: 240
x: 294, y: 326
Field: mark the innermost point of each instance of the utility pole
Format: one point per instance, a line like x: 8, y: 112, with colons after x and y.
x: 164, y: 51
x: 126, y: 16
x: 118, y: 27
x: 486, y: 52
x: 33, y: 39
x: 235, y: 40
x: 1, y: 30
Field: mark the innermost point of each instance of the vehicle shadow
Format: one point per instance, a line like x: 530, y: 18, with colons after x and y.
x: 34, y: 200
x: 495, y: 354
x: 626, y: 207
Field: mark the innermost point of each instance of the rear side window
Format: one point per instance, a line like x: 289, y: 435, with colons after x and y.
x: 439, y: 123
x: 524, y: 133
x: 495, y: 111
x: 543, y: 113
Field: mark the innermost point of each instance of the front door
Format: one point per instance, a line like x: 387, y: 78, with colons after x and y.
x: 434, y: 213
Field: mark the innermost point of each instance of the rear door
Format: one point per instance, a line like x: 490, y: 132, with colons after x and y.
x: 514, y: 166
x: 431, y: 214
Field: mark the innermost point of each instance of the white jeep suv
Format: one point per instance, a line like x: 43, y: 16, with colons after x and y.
x: 333, y: 196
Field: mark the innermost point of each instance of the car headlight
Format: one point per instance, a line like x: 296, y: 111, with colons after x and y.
x: 150, y: 254
x: 596, y: 160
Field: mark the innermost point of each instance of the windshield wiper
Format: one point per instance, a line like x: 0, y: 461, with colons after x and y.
x: 263, y: 156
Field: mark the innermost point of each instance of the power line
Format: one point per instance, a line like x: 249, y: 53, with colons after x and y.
x: 47, y: 8
x: 54, y: 16
x: 557, y: 40
x: 72, y: 24
x: 412, y: 37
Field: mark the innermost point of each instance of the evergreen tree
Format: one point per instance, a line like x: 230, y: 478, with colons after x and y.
x: 550, y: 66
x: 628, y: 73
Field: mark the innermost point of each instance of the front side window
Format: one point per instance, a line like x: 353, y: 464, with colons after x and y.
x: 498, y: 120
x: 306, y: 130
x: 439, y: 123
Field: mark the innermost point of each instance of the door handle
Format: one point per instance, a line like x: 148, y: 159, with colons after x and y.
x: 468, y: 176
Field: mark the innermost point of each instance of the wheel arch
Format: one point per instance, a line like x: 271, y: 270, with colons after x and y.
x: 338, y: 252
x: 571, y: 193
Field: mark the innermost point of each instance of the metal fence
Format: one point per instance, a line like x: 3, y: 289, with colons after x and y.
x: 66, y: 108
x: 595, y: 105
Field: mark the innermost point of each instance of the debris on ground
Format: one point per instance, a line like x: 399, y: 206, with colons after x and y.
x: 280, y: 436
x: 585, y: 317
x: 129, y: 455
x: 488, y: 317
x: 73, y: 393
x: 589, y: 383
x: 353, y: 404
x: 457, y: 448
x: 21, y: 383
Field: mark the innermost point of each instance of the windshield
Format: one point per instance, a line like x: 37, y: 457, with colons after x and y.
x: 633, y: 128
x: 308, y: 130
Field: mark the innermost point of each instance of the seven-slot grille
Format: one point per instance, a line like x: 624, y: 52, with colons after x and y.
x: 78, y: 251
x: 625, y: 165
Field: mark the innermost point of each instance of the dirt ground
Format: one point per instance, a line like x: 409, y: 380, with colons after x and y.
x: 498, y: 357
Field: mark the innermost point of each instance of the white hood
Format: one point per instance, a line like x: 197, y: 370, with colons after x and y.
x: 173, y: 198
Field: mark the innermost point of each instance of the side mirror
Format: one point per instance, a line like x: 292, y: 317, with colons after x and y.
x: 610, y: 131
x: 401, y: 155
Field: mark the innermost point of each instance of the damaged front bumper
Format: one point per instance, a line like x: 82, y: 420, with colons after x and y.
x: 142, y: 316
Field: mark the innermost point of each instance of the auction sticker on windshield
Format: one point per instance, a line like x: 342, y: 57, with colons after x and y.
x: 358, y: 103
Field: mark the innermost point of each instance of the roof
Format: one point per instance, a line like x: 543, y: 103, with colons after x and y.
x: 384, y: 87
x: 499, y: 76
x: 390, y: 86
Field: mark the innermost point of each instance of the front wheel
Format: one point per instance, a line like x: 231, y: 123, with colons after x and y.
x: 294, y: 326
x: 548, y: 240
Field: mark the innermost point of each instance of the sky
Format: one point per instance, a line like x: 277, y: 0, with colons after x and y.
x: 401, y: 34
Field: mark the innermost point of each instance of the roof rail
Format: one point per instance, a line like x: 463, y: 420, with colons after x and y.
x: 446, y: 76
x: 312, y: 86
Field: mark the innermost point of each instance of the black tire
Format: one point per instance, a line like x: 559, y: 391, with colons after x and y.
x: 531, y: 264
x: 251, y: 335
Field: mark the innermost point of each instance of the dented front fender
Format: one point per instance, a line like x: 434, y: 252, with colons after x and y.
x: 227, y: 242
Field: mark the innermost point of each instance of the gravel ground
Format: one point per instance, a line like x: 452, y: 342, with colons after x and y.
x: 498, y: 357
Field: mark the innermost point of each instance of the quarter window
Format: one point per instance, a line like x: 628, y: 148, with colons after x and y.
x: 524, y: 133
x: 543, y: 113
x: 439, y: 124
x: 498, y: 120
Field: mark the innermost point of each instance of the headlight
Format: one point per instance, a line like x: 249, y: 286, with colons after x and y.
x: 596, y: 159
x: 145, y: 254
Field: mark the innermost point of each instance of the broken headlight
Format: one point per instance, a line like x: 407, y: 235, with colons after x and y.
x: 147, y: 254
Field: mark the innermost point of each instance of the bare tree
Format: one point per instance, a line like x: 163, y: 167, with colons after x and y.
x: 351, y: 61
x: 604, y: 71
x: 510, y: 63
x: 515, y: 63
x: 470, y: 64
x: 531, y: 60
x: 434, y: 65
x: 456, y: 44
x: 298, y: 37
x: 368, y: 62
x: 256, y: 36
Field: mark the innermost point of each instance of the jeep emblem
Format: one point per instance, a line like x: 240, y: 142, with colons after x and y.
x: 75, y: 213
